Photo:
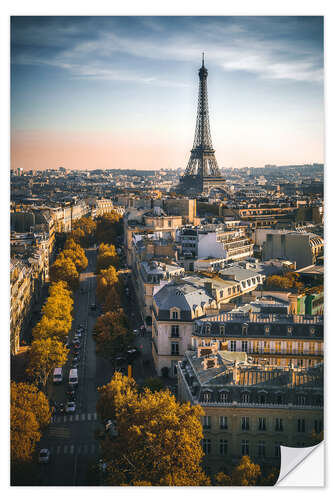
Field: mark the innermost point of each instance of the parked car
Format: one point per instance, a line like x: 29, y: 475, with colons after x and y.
x: 70, y: 407
x: 44, y: 456
x: 132, y: 354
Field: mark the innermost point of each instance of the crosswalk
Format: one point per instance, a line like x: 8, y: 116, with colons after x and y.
x: 80, y: 417
x: 59, y: 432
x: 74, y: 448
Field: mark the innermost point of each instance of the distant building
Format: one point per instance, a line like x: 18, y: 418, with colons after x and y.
x: 303, y: 248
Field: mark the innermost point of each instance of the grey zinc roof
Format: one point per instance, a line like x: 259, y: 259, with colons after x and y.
x: 239, y: 273
x: 183, y: 295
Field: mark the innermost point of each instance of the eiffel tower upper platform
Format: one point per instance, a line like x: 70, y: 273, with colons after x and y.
x: 202, y: 171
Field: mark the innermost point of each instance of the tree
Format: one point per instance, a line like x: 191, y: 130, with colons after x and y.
x: 159, y: 439
x: 107, y: 256
x: 78, y: 257
x: 83, y: 231
x: 30, y: 413
x: 271, y: 478
x: 44, y: 356
x: 112, y: 335
x: 222, y: 479
x: 106, y: 280
x: 51, y: 328
x: 246, y: 473
x: 109, y: 226
x: 63, y: 269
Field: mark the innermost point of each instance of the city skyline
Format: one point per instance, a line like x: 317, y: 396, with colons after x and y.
x: 121, y: 92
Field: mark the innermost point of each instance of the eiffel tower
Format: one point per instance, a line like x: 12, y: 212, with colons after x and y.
x: 202, y: 172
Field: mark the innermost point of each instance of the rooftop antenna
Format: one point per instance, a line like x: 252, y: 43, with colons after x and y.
x: 203, y: 59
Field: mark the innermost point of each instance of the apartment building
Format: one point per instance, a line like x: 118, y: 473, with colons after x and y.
x: 21, y: 287
x: 273, y: 339
x: 250, y: 409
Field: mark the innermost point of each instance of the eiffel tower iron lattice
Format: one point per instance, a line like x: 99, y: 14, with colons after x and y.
x: 202, y: 170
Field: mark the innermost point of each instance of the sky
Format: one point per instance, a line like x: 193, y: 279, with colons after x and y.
x: 121, y: 92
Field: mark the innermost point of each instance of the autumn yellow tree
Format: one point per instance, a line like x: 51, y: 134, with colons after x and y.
x: 64, y: 269
x: 107, y: 256
x: 106, y: 281
x: 159, y: 439
x: 83, y: 231
x: 222, y: 479
x: 44, y: 356
x: 78, y: 257
x: 246, y: 473
x: 29, y: 414
x: 51, y: 328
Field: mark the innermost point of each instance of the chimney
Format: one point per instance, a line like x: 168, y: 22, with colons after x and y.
x: 235, y: 373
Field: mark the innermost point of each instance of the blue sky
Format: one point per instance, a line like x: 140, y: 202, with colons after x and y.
x: 112, y: 92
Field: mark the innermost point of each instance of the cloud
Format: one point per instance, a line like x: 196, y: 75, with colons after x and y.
x: 97, y: 48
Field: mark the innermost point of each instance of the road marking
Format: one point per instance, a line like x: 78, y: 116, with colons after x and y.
x: 65, y: 419
x: 77, y: 417
x: 70, y: 418
x: 95, y: 416
x: 89, y: 416
x: 65, y: 449
x: 83, y: 416
x: 71, y: 449
x: 58, y: 449
x: 79, y: 449
x: 85, y: 448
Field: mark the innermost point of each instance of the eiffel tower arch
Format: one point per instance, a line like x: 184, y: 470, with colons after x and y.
x: 202, y: 172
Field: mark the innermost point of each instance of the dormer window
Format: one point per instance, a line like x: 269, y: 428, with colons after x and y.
x: 267, y: 330
x: 245, y: 397
x: 222, y: 330
x: 290, y: 330
x: 244, y: 329
x: 174, y: 313
x: 312, y: 331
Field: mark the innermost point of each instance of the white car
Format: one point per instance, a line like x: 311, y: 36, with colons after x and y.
x: 70, y: 407
x: 44, y: 456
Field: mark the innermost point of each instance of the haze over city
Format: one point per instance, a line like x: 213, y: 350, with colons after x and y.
x: 121, y: 92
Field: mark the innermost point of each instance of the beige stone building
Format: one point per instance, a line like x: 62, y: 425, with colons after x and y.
x: 20, y: 301
x: 250, y: 409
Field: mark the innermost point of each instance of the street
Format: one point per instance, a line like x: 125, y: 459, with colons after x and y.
x: 71, y: 437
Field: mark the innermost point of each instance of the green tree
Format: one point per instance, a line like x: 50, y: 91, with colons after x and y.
x: 112, y: 335
x: 246, y: 473
x: 44, y: 356
x: 109, y: 226
x: 159, y: 439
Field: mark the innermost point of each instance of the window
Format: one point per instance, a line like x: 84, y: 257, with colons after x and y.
x: 233, y: 345
x: 279, y: 399
x: 300, y: 347
x: 245, y: 397
x: 301, y: 400
x: 289, y: 347
x: 244, y: 345
x: 261, y: 424
x: 318, y: 426
x: 244, y: 330
x: 206, y: 424
x: 277, y: 449
x: 267, y: 330
x: 206, y: 397
x: 261, y: 449
x: 278, y: 425
x: 278, y: 347
x: 174, y: 314
x: 223, y: 447
x: 174, y: 330
x: 301, y: 425
x: 174, y: 349
x: 206, y: 446
x: 223, y: 423
x: 245, y: 423
x: 266, y: 347
x: 244, y: 447
x: 224, y: 397
x: 222, y: 329
x: 169, y: 223
x: 262, y: 399
x: 311, y: 347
